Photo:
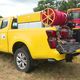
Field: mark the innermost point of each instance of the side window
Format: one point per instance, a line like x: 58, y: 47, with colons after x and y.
x: 14, y: 24
x: 4, y: 24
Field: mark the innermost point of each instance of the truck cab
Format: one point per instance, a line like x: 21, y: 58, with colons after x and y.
x: 74, y: 16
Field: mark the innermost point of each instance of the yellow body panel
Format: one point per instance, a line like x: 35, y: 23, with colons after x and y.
x: 4, y: 37
x: 34, y: 38
x: 33, y: 17
x: 3, y: 42
x: 36, y: 41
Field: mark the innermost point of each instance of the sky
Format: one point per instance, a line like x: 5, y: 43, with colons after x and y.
x: 16, y: 7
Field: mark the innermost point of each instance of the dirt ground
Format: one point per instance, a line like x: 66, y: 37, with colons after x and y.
x: 45, y: 71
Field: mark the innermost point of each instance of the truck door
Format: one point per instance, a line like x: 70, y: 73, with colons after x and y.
x: 3, y: 36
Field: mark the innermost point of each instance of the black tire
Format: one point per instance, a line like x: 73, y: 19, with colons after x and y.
x: 27, y: 60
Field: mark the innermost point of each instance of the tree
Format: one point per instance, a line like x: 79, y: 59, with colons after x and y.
x: 78, y: 5
x: 65, y: 5
x: 62, y: 5
x: 42, y: 4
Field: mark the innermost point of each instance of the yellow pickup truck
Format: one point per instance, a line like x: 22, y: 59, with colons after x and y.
x: 27, y: 39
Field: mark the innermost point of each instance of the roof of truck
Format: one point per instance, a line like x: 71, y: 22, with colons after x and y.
x: 11, y: 17
x: 73, y: 9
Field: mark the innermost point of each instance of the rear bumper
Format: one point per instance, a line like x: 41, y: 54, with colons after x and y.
x: 69, y: 57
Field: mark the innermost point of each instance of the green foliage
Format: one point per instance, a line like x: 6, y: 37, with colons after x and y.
x: 42, y: 4
x: 59, y: 4
x: 64, y: 6
x: 78, y: 5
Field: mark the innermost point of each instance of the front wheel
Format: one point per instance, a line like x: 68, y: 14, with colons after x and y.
x: 23, y: 60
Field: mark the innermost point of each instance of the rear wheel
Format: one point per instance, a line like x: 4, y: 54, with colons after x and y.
x: 23, y: 60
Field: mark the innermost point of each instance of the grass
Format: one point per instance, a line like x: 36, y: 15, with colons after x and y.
x: 45, y: 71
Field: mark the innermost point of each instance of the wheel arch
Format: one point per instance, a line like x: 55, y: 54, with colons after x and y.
x: 20, y: 44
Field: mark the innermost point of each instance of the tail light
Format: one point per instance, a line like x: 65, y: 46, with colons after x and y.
x: 51, y: 38
x: 64, y: 33
x: 52, y: 43
x: 51, y: 33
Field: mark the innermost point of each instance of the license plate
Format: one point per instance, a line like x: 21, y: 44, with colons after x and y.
x: 76, y: 59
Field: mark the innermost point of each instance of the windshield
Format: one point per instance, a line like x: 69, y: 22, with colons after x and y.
x: 74, y: 15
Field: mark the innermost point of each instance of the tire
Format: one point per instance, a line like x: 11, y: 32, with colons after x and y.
x: 23, y: 60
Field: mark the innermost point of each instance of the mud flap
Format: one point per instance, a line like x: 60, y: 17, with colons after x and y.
x: 68, y: 57
x: 72, y: 57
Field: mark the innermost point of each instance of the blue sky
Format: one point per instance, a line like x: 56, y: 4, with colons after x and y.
x: 16, y: 7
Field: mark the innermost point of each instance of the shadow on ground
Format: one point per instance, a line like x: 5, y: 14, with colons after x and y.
x: 45, y: 71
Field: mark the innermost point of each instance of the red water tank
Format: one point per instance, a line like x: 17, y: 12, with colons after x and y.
x: 53, y: 17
